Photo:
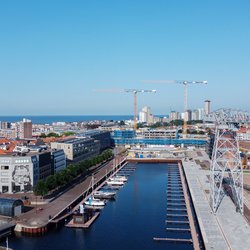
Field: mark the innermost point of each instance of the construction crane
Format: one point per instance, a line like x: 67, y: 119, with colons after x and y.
x: 185, y: 83
x: 135, y: 91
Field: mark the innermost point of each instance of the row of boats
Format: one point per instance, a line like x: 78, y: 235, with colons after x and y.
x: 97, y: 199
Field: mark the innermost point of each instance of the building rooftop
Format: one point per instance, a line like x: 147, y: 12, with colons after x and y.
x: 16, y: 154
x: 74, y: 140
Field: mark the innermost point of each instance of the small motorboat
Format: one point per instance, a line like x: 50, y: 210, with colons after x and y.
x: 104, y: 194
x: 93, y: 202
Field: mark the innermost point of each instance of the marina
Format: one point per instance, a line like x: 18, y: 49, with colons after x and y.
x: 38, y: 220
x: 109, y: 228
x: 96, y: 201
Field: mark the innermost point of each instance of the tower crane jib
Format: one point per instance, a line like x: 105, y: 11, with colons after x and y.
x: 185, y: 83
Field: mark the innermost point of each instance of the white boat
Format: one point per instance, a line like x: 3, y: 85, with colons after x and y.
x: 115, y: 182
x: 93, y: 202
x: 104, y: 194
x: 120, y: 178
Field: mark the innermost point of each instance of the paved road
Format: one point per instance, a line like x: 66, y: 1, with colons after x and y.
x: 39, y: 216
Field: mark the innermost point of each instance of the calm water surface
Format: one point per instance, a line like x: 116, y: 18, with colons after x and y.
x: 130, y: 222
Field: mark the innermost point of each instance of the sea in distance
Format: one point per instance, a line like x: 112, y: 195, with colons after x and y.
x: 48, y: 119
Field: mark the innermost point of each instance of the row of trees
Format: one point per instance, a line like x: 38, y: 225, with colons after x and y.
x: 192, y: 131
x: 67, y: 175
x: 53, y: 134
x: 179, y: 122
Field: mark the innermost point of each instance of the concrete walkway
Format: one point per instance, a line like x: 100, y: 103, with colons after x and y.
x: 41, y: 215
x: 225, y: 230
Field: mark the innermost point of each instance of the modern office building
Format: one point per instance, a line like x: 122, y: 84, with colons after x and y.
x: 103, y: 136
x: 45, y: 166
x: 78, y: 149
x: 128, y: 137
x: 58, y: 160
x: 20, y: 172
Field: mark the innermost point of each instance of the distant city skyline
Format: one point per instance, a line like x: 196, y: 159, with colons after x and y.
x: 55, y: 53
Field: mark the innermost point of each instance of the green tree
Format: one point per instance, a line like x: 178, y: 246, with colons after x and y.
x: 61, y: 178
x: 43, y: 135
x: 50, y: 182
x: 72, y: 170
x: 177, y: 122
x: 40, y: 188
x: 140, y: 125
x: 68, y: 133
x: 156, y: 125
x: 52, y: 134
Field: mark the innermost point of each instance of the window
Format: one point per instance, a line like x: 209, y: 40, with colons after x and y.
x: 5, y: 189
x: 4, y: 180
x: 4, y: 167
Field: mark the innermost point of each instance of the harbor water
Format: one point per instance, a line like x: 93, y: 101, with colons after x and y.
x: 130, y: 222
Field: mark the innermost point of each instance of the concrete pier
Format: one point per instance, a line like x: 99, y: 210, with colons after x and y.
x: 174, y: 240
x: 226, y: 229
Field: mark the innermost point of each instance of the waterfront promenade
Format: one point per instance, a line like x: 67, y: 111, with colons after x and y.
x: 37, y: 220
x: 226, y: 229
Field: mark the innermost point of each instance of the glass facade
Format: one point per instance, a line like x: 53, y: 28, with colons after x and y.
x: 135, y: 141
x: 128, y: 137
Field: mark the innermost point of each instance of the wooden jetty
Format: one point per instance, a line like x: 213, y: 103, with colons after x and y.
x: 181, y: 204
x: 177, y: 209
x: 178, y: 230
x: 173, y: 240
x: 177, y: 222
x: 87, y: 224
x: 176, y: 199
x: 177, y: 215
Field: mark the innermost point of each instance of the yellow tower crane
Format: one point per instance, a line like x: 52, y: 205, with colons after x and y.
x: 185, y: 83
x: 135, y: 91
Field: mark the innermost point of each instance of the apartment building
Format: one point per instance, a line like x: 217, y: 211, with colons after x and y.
x: 78, y: 149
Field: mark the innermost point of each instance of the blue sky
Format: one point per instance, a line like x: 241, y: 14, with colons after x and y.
x: 53, y: 54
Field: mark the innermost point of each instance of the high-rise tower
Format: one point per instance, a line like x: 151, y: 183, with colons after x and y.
x: 207, y: 107
x: 24, y: 129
